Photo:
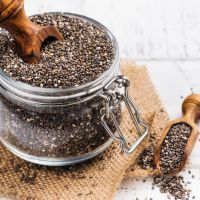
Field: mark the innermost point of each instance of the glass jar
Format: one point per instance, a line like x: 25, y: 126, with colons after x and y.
x: 55, y: 127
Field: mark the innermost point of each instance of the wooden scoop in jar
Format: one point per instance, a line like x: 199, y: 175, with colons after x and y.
x: 28, y: 36
x: 191, y: 113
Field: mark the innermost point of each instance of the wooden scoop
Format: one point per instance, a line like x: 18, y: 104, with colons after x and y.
x: 28, y: 36
x: 191, y: 113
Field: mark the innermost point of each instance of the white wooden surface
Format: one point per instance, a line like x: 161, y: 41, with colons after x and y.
x: 156, y: 29
x: 162, y: 34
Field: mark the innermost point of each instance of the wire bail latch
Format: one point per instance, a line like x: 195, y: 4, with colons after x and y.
x: 115, y: 92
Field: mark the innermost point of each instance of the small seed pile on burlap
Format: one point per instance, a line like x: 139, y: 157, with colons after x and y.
x: 97, y: 179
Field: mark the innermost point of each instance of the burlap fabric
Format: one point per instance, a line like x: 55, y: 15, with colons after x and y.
x: 96, y: 179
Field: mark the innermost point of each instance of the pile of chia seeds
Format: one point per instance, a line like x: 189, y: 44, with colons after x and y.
x: 82, y: 56
x: 172, y: 150
x: 174, y: 186
x: 146, y: 158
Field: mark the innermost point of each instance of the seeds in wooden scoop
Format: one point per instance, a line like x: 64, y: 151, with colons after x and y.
x: 173, y: 186
x: 82, y: 56
x: 172, y: 150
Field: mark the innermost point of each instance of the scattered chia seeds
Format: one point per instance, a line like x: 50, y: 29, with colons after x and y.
x: 173, y: 185
x: 81, y: 57
x: 173, y: 147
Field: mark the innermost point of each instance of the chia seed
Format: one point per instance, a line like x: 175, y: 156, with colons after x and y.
x: 55, y: 135
x: 172, y: 150
x: 81, y: 57
x: 173, y: 146
x: 173, y: 185
x: 146, y: 158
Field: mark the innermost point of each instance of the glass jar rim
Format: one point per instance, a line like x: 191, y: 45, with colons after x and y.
x: 22, y: 91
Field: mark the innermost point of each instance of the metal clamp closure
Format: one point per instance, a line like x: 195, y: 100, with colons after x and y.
x: 115, y: 92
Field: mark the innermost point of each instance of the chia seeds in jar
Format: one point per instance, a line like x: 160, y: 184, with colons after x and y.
x: 67, y: 108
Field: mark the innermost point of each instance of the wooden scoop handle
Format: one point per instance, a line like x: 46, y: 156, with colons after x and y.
x: 28, y: 36
x: 191, y: 107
